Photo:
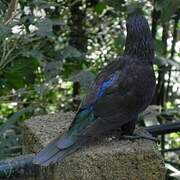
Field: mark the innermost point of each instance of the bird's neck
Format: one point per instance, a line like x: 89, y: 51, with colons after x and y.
x: 141, y: 47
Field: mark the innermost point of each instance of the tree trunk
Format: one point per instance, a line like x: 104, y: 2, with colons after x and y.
x: 155, y: 17
x: 78, y: 37
x: 161, y: 81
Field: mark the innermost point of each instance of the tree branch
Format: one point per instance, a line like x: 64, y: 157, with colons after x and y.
x: 11, y: 11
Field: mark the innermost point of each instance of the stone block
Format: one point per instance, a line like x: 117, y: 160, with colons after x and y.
x: 105, y: 159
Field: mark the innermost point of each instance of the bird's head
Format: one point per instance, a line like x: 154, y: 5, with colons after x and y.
x: 139, y: 40
x: 138, y: 28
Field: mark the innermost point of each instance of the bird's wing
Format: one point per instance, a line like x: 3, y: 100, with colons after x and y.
x: 85, y: 116
x: 105, y: 75
x: 106, y: 80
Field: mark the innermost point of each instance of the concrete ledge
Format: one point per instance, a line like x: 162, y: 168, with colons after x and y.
x: 106, y: 159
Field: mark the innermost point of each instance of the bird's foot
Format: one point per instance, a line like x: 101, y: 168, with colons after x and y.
x: 140, y: 136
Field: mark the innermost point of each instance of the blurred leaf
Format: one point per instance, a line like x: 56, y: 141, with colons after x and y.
x: 135, y: 8
x: 119, y: 43
x: 84, y: 77
x: 168, y: 8
x: 171, y: 114
x: 45, y: 26
x: 32, y: 53
x: 57, y: 22
x: 52, y: 69
x: 27, y: 18
x: 3, y: 6
x: 41, y: 89
x: 100, y: 7
x: 116, y: 4
x: 178, y: 34
x: 21, y: 72
x: 5, y: 31
x: 71, y: 52
x: 42, y: 4
x: 159, y: 47
x: 164, y: 61
x: 13, y: 119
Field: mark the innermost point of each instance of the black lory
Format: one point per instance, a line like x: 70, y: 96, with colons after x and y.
x: 119, y: 93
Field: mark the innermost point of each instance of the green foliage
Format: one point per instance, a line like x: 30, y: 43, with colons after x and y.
x: 71, y: 52
x: 116, y: 4
x: 119, y: 46
x: 13, y: 119
x: 5, y: 31
x: 100, y: 7
x: 3, y: 6
x: 45, y: 26
x: 10, y: 138
x: 24, y: 69
x: 167, y: 8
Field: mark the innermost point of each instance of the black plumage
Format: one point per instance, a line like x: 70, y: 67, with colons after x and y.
x: 119, y: 93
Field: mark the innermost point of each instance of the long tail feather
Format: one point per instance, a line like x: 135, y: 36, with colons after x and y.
x: 45, y: 154
x: 72, y: 140
x: 60, y: 155
x: 52, y: 153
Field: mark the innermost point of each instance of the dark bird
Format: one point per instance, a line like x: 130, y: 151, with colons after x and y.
x: 119, y: 93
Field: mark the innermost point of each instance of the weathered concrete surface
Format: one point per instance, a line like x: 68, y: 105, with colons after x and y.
x: 106, y: 159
